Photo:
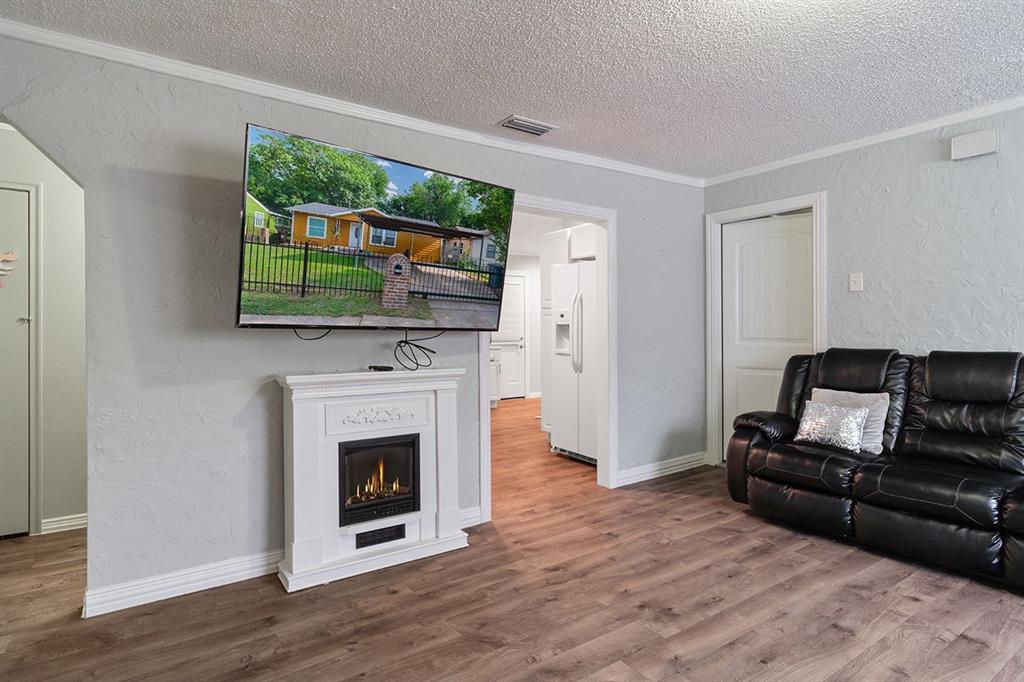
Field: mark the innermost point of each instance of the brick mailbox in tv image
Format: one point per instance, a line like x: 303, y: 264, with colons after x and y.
x: 337, y: 238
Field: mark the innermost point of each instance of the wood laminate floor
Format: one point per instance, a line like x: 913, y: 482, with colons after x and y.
x: 667, y: 579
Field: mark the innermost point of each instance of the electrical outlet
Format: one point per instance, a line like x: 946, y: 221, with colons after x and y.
x: 856, y: 281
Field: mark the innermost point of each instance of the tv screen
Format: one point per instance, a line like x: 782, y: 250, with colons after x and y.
x: 337, y: 238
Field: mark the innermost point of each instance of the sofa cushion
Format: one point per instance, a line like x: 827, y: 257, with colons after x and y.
x: 815, y: 467
x: 966, y: 408
x: 794, y: 383
x: 971, y: 377
x: 956, y: 493
x: 854, y: 369
x: 885, y: 370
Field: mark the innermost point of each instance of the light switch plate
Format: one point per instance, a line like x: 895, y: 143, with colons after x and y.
x: 856, y: 281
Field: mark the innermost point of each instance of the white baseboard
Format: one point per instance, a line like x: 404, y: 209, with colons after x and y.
x: 470, y: 517
x: 534, y: 394
x: 646, y: 472
x: 59, y: 524
x: 145, y: 590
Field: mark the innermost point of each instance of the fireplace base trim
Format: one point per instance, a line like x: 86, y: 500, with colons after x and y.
x: 348, y: 567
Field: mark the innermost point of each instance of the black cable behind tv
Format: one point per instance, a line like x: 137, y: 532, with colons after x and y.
x: 412, y: 354
x: 409, y: 353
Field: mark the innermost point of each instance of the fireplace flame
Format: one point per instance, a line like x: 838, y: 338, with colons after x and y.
x: 377, y: 487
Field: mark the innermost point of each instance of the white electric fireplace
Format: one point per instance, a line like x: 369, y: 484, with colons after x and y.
x: 371, y: 473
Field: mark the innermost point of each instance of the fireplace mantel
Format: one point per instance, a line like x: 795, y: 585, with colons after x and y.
x: 323, y: 410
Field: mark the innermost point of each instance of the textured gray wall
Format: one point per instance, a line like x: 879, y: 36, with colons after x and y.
x: 940, y: 242
x: 184, y: 415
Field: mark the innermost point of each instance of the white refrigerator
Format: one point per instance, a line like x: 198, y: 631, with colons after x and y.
x: 575, y: 360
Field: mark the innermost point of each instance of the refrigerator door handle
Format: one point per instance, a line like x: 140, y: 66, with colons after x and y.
x: 573, y: 332
x: 577, y: 337
x: 579, y: 334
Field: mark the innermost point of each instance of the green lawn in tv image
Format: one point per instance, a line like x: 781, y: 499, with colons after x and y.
x: 352, y: 305
x: 285, y: 266
x: 329, y: 230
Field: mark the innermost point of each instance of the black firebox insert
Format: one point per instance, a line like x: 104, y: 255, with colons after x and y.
x: 378, y: 477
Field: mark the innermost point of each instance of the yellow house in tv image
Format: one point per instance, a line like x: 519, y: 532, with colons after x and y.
x: 373, y: 231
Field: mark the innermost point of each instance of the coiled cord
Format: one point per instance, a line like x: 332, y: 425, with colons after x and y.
x: 412, y: 355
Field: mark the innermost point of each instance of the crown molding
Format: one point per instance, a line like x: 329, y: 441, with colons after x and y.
x: 888, y: 136
x: 253, y: 86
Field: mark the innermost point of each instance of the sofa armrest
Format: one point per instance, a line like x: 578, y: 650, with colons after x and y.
x: 736, y: 455
x: 750, y: 429
x: 773, y: 425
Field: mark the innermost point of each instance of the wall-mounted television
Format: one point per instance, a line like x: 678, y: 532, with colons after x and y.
x: 337, y: 238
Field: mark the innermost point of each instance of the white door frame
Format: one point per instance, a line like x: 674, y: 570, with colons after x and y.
x: 34, y: 261
x: 608, y: 418
x: 713, y: 288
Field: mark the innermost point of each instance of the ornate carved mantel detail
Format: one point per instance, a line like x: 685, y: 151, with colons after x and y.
x: 379, y: 414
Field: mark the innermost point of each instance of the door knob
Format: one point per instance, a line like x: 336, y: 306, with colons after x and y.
x: 23, y: 320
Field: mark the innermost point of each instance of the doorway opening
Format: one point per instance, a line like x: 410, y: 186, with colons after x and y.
x: 42, y: 350
x: 765, y: 270
x: 548, y: 372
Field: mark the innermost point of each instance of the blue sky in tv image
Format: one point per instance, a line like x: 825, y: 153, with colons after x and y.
x: 401, y: 176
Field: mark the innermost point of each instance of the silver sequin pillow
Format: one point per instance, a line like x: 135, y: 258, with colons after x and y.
x: 832, y: 425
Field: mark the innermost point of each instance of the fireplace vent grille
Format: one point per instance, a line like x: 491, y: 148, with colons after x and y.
x: 380, y: 535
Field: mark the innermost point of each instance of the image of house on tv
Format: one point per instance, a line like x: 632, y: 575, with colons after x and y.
x: 335, y: 237
x: 376, y: 232
x: 261, y: 223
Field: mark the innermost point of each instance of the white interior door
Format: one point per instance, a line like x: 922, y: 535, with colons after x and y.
x: 767, y: 309
x: 509, y: 342
x: 14, y: 362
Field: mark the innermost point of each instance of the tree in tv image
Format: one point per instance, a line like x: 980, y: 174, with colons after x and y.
x: 365, y: 241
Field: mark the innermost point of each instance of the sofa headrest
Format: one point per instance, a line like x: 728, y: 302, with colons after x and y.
x: 971, y: 377
x: 861, y: 370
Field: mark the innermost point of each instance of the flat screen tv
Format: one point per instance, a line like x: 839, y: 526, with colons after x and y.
x: 337, y: 238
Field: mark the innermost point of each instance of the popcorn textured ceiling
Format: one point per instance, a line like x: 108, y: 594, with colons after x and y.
x: 693, y: 87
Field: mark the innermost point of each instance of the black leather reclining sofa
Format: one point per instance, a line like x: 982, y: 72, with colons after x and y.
x: 948, y: 487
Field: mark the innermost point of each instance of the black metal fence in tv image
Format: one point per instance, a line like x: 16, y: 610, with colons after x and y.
x: 284, y: 279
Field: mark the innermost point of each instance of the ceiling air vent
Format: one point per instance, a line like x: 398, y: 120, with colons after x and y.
x: 526, y: 125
